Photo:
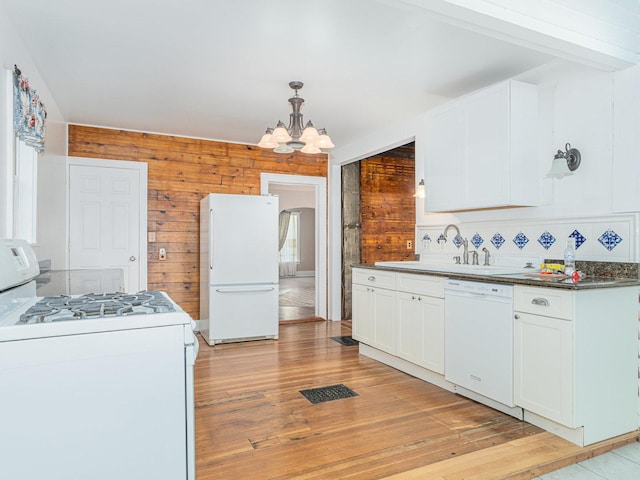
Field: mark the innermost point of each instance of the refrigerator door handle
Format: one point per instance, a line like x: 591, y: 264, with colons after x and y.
x: 211, y: 239
x: 245, y: 290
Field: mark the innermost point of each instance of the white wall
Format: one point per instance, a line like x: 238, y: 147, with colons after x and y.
x: 51, y: 233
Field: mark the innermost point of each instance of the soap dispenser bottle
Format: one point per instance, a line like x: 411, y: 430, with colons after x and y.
x: 570, y: 257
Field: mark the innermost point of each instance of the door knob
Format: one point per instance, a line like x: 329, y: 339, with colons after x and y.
x: 132, y: 258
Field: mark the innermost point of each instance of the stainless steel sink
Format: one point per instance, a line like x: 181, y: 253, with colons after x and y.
x: 455, y: 268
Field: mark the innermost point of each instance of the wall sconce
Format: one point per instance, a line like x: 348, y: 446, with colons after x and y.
x: 564, y: 163
x: 420, y: 190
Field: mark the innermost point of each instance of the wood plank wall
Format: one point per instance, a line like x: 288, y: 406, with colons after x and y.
x: 181, y: 171
x: 388, y: 211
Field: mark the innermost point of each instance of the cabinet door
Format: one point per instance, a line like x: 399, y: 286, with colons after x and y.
x: 486, y: 161
x: 543, y: 352
x: 384, y: 305
x: 432, y: 310
x: 479, y: 151
x: 362, y: 314
x: 410, y: 328
x: 421, y: 330
x: 444, y: 167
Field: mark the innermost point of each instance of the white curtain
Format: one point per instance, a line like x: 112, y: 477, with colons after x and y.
x: 288, y: 244
x: 283, y: 227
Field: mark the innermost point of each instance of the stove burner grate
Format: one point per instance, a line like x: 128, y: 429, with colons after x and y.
x: 96, y: 305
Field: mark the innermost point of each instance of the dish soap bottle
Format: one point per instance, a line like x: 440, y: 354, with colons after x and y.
x: 570, y: 257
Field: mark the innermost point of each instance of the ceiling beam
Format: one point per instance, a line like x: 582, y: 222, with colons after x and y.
x: 599, y: 33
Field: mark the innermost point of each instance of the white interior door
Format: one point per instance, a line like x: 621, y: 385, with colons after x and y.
x: 107, y: 218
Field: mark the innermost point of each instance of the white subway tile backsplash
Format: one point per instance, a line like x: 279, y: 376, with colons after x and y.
x: 611, y: 238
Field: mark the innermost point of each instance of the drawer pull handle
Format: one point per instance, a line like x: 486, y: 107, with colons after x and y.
x: 540, y: 301
x: 372, y: 278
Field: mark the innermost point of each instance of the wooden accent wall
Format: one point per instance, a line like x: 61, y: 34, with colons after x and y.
x: 181, y: 171
x: 388, y: 212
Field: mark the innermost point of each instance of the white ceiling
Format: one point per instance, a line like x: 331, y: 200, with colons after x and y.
x: 220, y: 69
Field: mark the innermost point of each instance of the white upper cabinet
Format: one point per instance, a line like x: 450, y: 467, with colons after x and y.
x: 480, y: 150
x: 626, y: 141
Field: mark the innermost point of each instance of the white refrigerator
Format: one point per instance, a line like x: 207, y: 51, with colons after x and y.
x: 238, y: 267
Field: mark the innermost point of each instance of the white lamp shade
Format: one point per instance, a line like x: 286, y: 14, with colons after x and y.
x: 283, y: 148
x: 559, y: 168
x: 324, y: 141
x: 309, y: 134
x: 310, y: 148
x: 280, y: 134
x: 267, y: 142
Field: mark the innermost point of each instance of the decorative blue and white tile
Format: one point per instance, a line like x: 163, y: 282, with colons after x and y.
x: 579, y: 238
x: 546, y: 240
x: 458, y: 241
x: 520, y: 240
x: 442, y: 239
x: 497, y: 240
x: 610, y: 239
x: 477, y: 240
x: 426, y: 237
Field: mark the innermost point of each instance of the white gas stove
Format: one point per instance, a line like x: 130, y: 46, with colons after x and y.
x: 94, y: 386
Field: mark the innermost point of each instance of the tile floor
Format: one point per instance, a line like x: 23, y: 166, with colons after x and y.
x: 620, y: 464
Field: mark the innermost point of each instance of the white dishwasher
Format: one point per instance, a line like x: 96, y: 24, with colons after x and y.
x: 479, y: 338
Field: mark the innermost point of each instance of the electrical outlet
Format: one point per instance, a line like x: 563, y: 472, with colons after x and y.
x: 409, y: 244
x: 162, y: 254
x: 152, y: 237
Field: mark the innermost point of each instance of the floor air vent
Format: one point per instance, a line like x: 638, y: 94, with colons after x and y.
x: 327, y: 394
x: 347, y: 341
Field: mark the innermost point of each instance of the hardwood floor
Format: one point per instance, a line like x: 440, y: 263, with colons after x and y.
x: 252, y: 422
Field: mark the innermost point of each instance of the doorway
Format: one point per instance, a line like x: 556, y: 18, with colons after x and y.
x: 305, y: 283
x: 378, y: 212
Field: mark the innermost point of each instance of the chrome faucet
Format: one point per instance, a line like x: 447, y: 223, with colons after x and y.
x: 465, y: 242
x: 486, y: 256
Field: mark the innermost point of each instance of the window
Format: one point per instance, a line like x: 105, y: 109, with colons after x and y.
x: 25, y: 192
x: 29, y: 117
x: 290, y: 251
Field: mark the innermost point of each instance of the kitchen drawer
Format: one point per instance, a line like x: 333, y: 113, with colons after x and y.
x: 549, y: 302
x: 374, y: 278
x: 420, y: 284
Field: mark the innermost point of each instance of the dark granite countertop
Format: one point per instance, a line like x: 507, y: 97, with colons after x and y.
x: 586, y: 283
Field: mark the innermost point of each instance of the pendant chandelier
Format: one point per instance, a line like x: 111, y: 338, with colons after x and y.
x: 284, y: 139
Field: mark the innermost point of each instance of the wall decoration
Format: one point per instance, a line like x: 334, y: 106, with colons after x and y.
x: 580, y: 239
x: 477, y: 240
x: 610, y: 239
x: 546, y: 240
x: 497, y: 240
x: 29, y: 113
x: 520, y: 240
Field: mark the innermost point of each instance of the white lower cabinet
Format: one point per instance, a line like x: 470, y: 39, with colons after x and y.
x: 374, y: 309
x: 575, y: 360
x: 420, y: 319
x: 575, y: 352
x: 543, y: 381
